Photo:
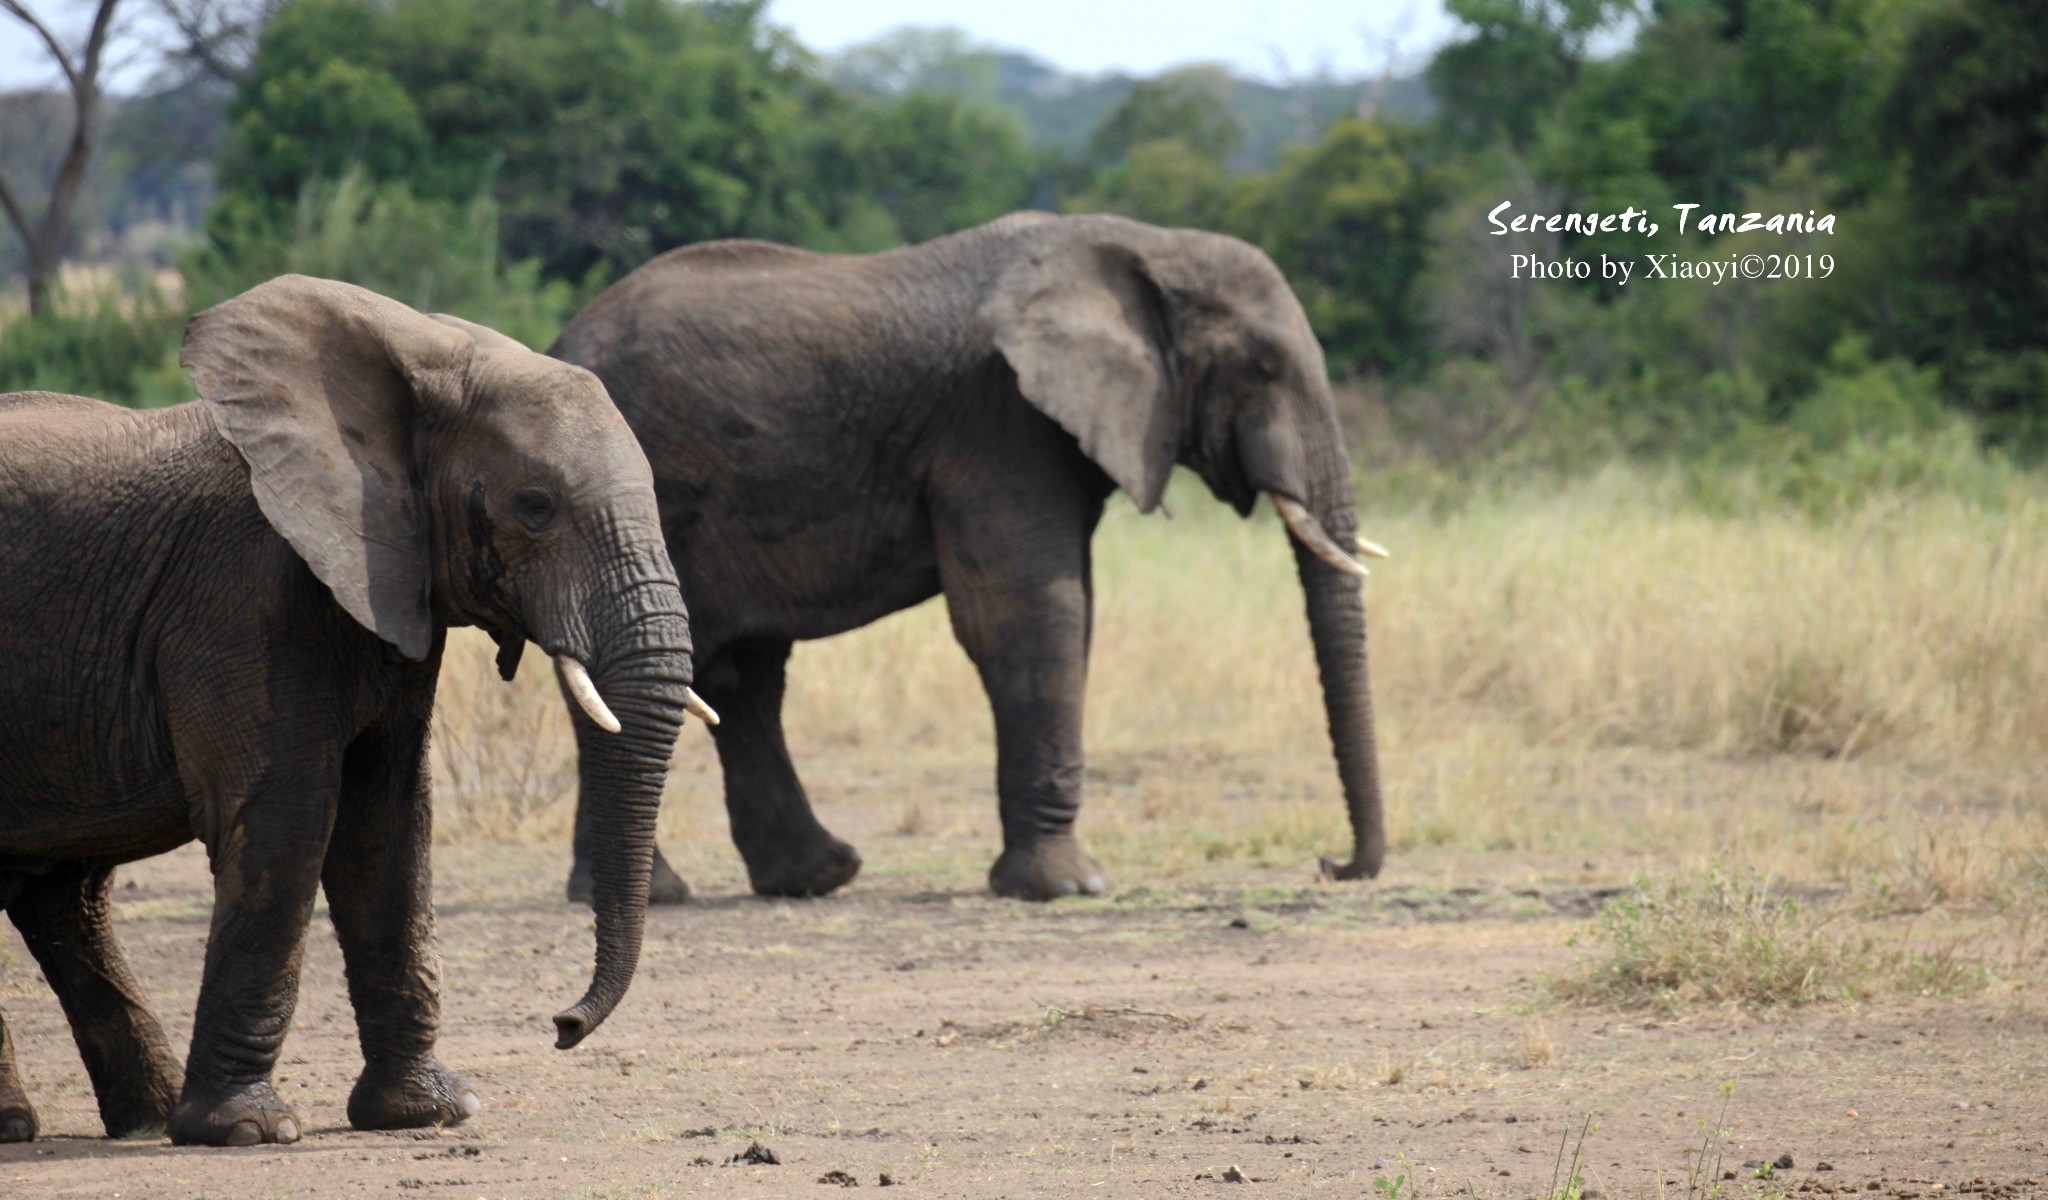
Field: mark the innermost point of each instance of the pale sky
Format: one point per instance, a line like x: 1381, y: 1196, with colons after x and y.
x: 1349, y: 37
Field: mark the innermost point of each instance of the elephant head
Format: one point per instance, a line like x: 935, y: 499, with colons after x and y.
x: 432, y: 473
x: 1156, y: 347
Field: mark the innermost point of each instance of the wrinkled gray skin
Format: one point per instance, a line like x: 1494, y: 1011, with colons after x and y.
x: 836, y: 438
x: 223, y: 621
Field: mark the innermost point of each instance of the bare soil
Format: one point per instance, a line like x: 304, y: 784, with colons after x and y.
x: 1246, y: 1029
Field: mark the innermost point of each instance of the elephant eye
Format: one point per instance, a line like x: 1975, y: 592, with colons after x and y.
x: 534, y: 506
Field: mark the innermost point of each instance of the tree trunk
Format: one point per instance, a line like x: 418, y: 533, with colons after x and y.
x: 45, y: 239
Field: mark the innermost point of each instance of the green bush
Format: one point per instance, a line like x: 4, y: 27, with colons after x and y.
x: 121, y: 348
x: 435, y: 255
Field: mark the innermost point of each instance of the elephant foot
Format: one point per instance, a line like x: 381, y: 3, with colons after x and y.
x: 664, y: 886
x: 17, y: 1123
x: 1046, y: 869
x: 1361, y: 866
x: 146, y: 1114
x: 423, y: 1095
x: 822, y: 867
x: 246, y: 1116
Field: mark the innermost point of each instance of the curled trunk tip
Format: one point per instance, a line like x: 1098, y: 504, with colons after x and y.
x: 574, y: 1024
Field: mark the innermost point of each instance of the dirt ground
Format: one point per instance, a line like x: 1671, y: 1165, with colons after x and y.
x: 1237, y: 1028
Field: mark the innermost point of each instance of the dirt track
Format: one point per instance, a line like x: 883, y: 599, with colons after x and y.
x: 1311, y: 1037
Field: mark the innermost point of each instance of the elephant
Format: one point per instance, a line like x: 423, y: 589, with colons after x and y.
x: 224, y: 621
x: 837, y: 437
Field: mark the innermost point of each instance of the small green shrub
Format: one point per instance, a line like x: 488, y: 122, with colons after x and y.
x: 104, y: 344
x: 1727, y: 938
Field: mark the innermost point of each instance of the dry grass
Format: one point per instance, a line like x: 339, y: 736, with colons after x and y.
x: 1538, y: 1048
x: 503, y: 756
x: 1601, y: 670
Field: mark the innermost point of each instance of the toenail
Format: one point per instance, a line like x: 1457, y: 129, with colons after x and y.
x: 244, y: 1133
x: 471, y: 1106
x: 287, y: 1130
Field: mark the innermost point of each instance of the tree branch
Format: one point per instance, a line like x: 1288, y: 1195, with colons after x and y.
x: 16, y: 215
x: 56, y: 48
x: 85, y: 100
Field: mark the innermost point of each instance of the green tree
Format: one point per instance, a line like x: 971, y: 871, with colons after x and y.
x: 606, y: 132
x: 1346, y: 219
x: 922, y: 165
x: 1162, y: 154
x: 1517, y: 59
x: 1970, y: 116
x: 1167, y: 182
x: 1191, y: 104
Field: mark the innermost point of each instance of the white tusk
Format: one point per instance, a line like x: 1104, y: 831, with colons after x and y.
x: 1372, y: 549
x: 696, y: 707
x: 1303, y: 525
x: 586, y: 693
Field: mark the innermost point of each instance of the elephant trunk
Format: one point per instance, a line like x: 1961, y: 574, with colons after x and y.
x: 1336, y: 625
x: 643, y: 673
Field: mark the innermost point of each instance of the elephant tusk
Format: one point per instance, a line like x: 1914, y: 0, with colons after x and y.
x: 695, y: 706
x: 1304, y: 526
x: 1372, y: 549
x: 585, y: 692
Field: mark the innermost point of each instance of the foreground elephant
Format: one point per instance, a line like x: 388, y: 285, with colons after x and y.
x: 836, y: 438
x: 224, y: 621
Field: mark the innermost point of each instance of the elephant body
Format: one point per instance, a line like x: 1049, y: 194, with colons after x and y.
x: 204, y: 640
x: 99, y: 767
x: 835, y: 438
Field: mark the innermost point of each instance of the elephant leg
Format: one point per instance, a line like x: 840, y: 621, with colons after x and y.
x: 66, y: 918
x: 1019, y: 593
x: 379, y: 885
x: 266, y: 869
x: 664, y: 886
x: 788, y: 853
x: 17, y: 1115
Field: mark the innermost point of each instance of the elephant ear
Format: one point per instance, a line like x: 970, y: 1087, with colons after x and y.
x: 486, y: 338
x: 321, y: 385
x: 1084, y: 327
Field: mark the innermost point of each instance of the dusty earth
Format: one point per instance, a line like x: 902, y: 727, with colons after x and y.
x: 1253, y: 1026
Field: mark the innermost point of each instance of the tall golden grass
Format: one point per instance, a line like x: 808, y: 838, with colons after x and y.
x: 1597, y: 664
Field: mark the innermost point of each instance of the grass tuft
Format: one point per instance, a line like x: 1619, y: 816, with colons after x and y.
x: 1726, y: 937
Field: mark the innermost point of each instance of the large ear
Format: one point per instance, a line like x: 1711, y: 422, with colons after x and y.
x: 321, y: 386
x: 484, y: 336
x: 1085, y: 328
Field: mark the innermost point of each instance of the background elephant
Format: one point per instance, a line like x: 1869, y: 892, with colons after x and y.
x: 836, y: 438
x: 224, y: 621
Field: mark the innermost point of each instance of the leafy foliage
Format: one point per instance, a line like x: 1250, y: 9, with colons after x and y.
x: 605, y: 133
x: 502, y: 157
x: 98, y: 343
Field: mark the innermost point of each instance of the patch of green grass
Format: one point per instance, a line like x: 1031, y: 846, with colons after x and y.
x: 1726, y: 937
